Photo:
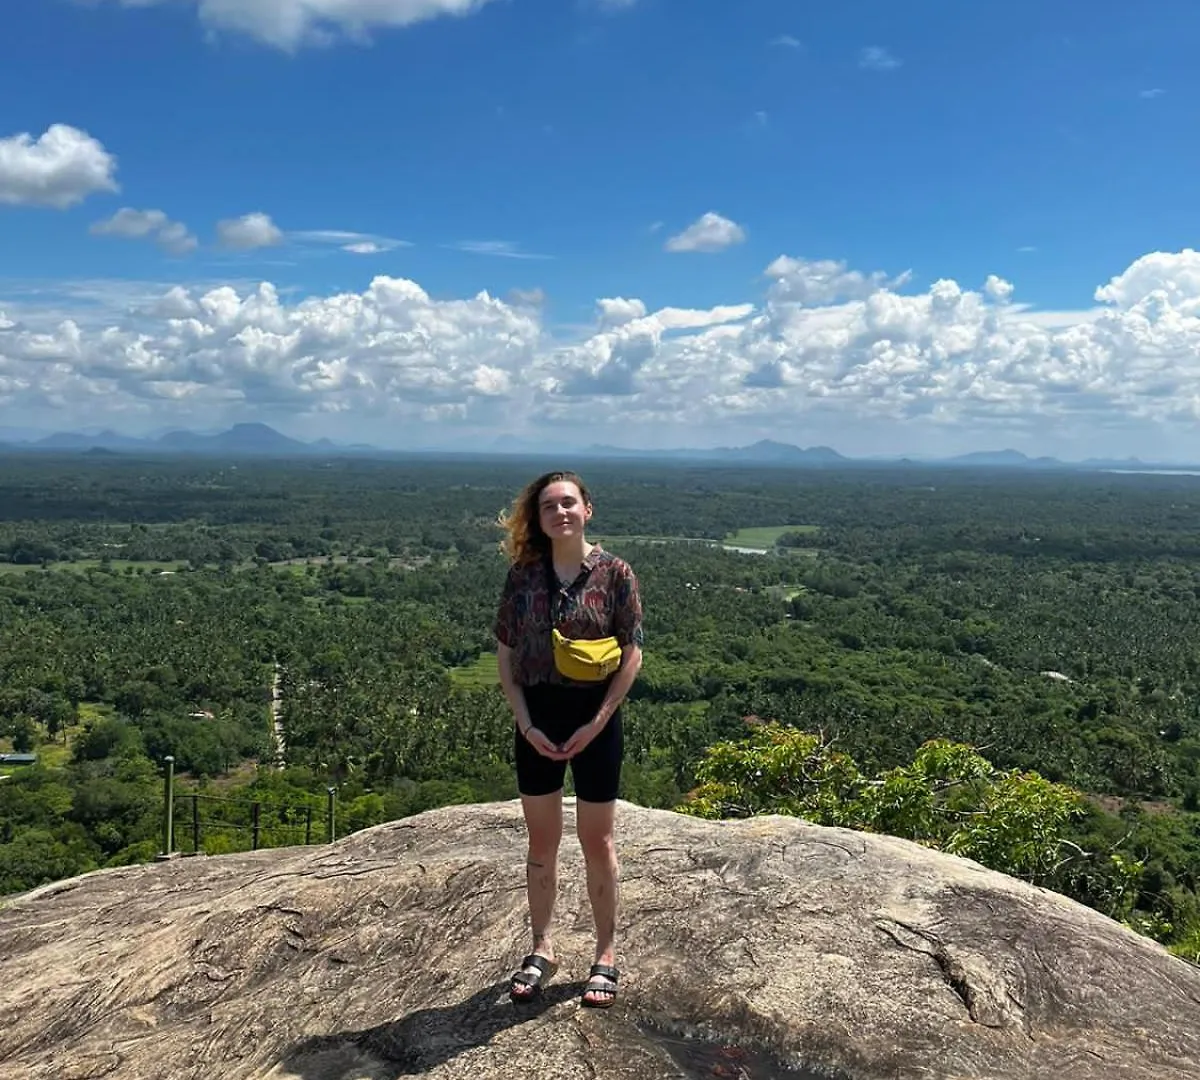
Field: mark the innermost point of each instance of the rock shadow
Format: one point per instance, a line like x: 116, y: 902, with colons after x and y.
x: 427, y: 1038
x: 420, y: 1040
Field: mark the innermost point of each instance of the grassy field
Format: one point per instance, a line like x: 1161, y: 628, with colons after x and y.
x: 761, y: 537
x: 301, y: 564
x: 57, y: 754
x: 336, y: 598
x: 639, y: 538
x: 53, y: 755
x: 483, y: 672
x: 767, y: 536
x: 119, y: 565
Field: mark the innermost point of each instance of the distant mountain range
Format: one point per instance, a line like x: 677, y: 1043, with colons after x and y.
x: 766, y: 452
x: 251, y: 440
x: 260, y: 440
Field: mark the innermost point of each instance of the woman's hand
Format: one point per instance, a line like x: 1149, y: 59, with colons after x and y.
x: 537, y: 739
x: 582, y: 738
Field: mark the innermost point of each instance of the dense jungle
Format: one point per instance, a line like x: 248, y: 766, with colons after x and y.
x: 1011, y: 646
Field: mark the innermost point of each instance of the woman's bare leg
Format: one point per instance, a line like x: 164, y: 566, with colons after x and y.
x: 595, y: 824
x: 543, y: 822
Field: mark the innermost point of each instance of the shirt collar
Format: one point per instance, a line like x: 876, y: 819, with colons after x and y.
x: 589, y: 562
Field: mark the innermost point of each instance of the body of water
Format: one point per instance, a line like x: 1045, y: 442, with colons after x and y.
x: 1155, y: 472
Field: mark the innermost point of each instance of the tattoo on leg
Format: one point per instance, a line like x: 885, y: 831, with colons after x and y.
x: 540, y: 866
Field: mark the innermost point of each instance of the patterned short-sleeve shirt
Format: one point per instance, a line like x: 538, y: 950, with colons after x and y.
x: 602, y: 601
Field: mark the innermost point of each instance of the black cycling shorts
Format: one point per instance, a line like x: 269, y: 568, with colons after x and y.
x: 558, y: 712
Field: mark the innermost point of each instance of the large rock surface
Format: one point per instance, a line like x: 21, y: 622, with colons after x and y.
x: 749, y: 949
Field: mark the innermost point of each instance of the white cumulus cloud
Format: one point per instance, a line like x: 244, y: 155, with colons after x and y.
x: 389, y: 351
x: 998, y: 289
x: 838, y: 354
x: 291, y: 24
x: 1172, y: 275
x: 59, y: 169
x: 171, y: 236
x: 251, y: 231
x: 711, y: 232
x: 822, y: 281
x: 610, y: 362
x: 617, y: 311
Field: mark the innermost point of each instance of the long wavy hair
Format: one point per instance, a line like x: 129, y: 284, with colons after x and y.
x: 524, y: 541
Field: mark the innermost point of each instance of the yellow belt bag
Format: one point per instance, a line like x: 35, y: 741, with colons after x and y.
x: 586, y: 660
x: 581, y: 659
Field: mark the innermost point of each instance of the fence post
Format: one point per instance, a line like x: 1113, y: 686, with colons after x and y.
x: 195, y: 824
x: 308, y: 827
x: 332, y: 829
x: 254, y: 819
x: 168, y: 834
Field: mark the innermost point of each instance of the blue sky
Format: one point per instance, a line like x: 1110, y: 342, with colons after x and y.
x: 1047, y: 145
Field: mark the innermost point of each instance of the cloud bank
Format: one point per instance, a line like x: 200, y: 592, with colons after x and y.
x: 825, y: 349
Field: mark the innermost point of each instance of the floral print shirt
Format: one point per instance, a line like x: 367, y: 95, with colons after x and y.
x: 602, y: 601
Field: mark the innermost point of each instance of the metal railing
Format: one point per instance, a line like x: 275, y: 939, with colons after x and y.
x: 266, y: 822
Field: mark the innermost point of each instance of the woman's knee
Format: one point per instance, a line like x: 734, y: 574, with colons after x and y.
x: 598, y: 850
x: 543, y: 822
x: 543, y: 847
x: 594, y: 827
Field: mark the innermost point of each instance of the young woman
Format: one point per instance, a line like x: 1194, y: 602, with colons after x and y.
x: 559, y: 581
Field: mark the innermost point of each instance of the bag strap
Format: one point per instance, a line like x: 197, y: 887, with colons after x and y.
x: 553, y: 591
x: 553, y: 588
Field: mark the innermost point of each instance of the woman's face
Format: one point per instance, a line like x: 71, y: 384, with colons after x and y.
x: 562, y: 512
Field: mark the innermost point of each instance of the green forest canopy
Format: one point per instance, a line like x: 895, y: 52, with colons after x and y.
x: 1046, y: 618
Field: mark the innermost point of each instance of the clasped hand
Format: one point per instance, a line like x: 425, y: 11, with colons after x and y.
x: 574, y: 746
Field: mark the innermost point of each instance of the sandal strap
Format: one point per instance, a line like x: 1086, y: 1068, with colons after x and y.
x: 605, y: 971
x: 545, y: 967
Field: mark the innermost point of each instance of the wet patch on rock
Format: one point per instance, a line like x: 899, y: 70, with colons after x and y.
x: 700, y: 1059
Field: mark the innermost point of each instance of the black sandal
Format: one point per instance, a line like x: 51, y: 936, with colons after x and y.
x: 604, y: 971
x: 545, y: 972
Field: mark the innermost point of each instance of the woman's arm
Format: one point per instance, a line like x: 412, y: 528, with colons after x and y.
x: 623, y: 680
x: 627, y: 625
x: 520, y: 708
x: 631, y: 662
x: 508, y: 629
x: 514, y: 693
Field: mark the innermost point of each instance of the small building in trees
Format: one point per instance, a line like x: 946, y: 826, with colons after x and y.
x: 18, y: 759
